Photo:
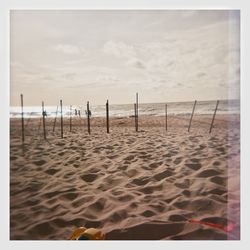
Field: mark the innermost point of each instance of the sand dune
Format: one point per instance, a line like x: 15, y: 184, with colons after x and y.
x: 144, y: 185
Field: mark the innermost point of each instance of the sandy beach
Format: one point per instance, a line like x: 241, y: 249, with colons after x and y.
x: 144, y: 185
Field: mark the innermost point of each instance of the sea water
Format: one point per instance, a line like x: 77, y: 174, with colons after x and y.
x: 126, y: 110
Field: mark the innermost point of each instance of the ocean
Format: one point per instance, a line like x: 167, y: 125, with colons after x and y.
x: 126, y: 110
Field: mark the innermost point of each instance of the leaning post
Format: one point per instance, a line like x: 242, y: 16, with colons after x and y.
x: 212, y: 123
x: 192, y: 116
x: 55, y: 119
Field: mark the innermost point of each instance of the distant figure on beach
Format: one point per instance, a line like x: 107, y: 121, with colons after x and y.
x: 75, y: 111
x: 86, y: 112
x: 79, y: 112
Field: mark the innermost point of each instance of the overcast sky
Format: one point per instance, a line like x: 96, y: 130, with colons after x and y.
x: 97, y: 55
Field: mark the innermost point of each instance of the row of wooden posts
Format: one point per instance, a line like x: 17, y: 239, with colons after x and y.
x: 136, y: 116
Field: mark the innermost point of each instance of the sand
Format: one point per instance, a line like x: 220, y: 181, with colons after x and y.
x: 132, y: 186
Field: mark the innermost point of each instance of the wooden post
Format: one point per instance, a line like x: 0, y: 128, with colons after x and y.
x: 55, y: 119
x: 44, y: 128
x: 212, y: 123
x: 135, y: 116
x: 137, y: 113
x: 107, y: 115
x: 191, y: 116
x: 70, y: 119
x: 88, y: 117
x: 22, y: 119
x: 166, y: 111
x: 61, y: 119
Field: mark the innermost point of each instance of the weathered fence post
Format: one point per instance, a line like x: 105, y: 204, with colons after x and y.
x: 137, y: 113
x: 22, y: 119
x: 70, y: 119
x: 44, y: 128
x: 135, y: 116
x: 191, y: 116
x: 88, y: 116
x: 107, y: 115
x: 55, y: 119
x: 61, y: 119
x: 166, y: 112
x: 212, y: 123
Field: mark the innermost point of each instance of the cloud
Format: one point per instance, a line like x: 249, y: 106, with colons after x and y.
x: 134, y: 62
x: 201, y: 74
x: 174, y: 52
x: 119, y: 49
x: 69, y: 49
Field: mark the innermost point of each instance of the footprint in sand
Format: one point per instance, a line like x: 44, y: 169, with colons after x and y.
x: 178, y: 160
x: 129, y: 158
x: 118, y: 216
x: 12, y: 158
x: 52, y: 171
x: 208, y: 173
x: 176, y: 218
x: 218, y: 180
x: 76, y: 165
x: 89, y: 177
x: 123, y: 167
x: 151, y: 189
x: 42, y: 229
x: 141, y: 181
x: 221, y: 149
x: 181, y: 204
x: 70, y: 196
x: 155, y: 164
x: 167, y: 155
x: 131, y: 172
x: 68, y: 175
x: 186, y: 192
x: 201, y: 147
x: 125, y: 198
x: 216, y: 163
x: 158, y: 207
x: 193, y: 166
x: 39, y: 163
x: 98, y: 205
x: 163, y: 175
x: 183, y: 184
x: 148, y: 213
x: 112, y: 157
